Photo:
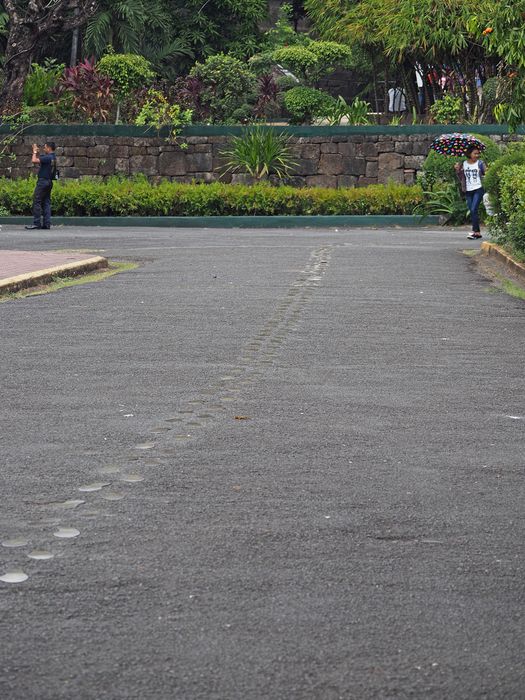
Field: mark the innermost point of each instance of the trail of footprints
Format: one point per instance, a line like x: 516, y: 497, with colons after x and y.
x: 213, y: 402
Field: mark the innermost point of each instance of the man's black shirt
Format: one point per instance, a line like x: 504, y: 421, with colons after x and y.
x: 47, y: 166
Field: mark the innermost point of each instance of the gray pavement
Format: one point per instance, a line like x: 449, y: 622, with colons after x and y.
x: 330, y: 430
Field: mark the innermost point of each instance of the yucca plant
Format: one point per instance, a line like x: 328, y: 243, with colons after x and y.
x: 260, y: 152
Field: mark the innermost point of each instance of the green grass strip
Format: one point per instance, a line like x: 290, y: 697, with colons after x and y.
x: 58, y: 283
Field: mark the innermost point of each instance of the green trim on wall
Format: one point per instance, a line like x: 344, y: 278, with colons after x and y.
x: 405, y: 221
x: 221, y: 130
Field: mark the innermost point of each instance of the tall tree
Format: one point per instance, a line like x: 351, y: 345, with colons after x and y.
x: 435, y: 35
x: 501, y: 27
x: 30, y: 23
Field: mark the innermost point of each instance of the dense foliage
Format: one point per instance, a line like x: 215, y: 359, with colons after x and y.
x: 457, y: 47
x: 509, y: 227
x: 505, y: 183
x: 454, y: 60
x: 123, y: 197
x: 226, y: 85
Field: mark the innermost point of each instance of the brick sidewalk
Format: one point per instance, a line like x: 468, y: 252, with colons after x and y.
x: 20, y: 262
x: 22, y: 268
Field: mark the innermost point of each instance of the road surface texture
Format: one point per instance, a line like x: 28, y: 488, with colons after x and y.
x: 301, y: 459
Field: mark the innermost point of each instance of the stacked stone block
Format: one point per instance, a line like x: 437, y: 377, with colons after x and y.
x: 323, y: 161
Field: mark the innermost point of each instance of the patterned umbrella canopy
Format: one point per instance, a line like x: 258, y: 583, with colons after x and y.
x: 455, y: 144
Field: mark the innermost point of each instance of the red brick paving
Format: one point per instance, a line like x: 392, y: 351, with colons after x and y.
x: 21, y: 262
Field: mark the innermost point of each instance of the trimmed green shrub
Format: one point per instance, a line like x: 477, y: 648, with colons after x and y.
x: 298, y: 59
x: 305, y: 104
x: 227, y: 85
x: 515, y: 155
x: 508, y: 224
x: 448, y: 110
x: 314, y: 60
x: 128, y: 71
x: 138, y: 197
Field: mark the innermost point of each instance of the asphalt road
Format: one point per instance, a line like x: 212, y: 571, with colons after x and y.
x: 313, y: 444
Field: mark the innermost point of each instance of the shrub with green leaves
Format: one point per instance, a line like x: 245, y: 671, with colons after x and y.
x: 227, y: 85
x: 137, y: 196
x: 515, y: 155
x: 41, y: 81
x: 331, y: 55
x: 305, y: 104
x: 509, y: 227
x: 448, y: 110
x: 505, y: 183
x: 156, y: 111
x: 314, y: 60
x: 444, y: 201
x: 297, y: 59
x: 128, y: 71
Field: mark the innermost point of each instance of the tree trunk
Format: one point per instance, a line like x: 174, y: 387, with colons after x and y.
x: 408, y: 74
x: 26, y: 28
x: 74, y: 47
x: 374, y: 83
x: 19, y: 54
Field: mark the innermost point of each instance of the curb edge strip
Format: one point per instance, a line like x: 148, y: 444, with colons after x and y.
x: 493, y: 250
x: 31, y: 279
x: 284, y: 221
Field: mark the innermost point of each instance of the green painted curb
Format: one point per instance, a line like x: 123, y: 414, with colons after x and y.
x: 405, y: 221
x: 59, y: 130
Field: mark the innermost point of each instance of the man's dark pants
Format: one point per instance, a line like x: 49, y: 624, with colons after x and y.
x: 42, y: 203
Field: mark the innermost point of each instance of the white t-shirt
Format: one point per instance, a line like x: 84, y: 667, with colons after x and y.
x: 472, y: 175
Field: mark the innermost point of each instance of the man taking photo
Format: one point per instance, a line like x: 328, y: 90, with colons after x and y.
x: 47, y: 173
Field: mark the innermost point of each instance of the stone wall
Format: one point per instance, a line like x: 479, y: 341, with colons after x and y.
x: 323, y: 161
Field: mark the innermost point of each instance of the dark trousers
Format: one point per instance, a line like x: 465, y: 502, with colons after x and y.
x: 42, y: 203
x: 473, y: 201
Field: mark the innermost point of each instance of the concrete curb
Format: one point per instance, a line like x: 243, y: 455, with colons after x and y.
x: 494, y: 251
x: 32, y: 279
x: 284, y: 221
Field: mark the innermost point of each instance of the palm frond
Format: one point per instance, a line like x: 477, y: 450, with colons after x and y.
x: 98, y: 33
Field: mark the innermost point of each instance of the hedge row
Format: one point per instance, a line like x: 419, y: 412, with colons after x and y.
x: 505, y: 182
x: 138, y: 197
x: 512, y: 203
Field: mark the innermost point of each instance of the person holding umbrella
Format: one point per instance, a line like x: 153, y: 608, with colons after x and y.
x: 470, y: 174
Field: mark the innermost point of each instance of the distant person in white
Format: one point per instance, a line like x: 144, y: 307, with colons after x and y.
x: 470, y: 174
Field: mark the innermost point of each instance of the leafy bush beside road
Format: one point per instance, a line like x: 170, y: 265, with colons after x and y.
x: 138, y: 197
x: 505, y: 183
